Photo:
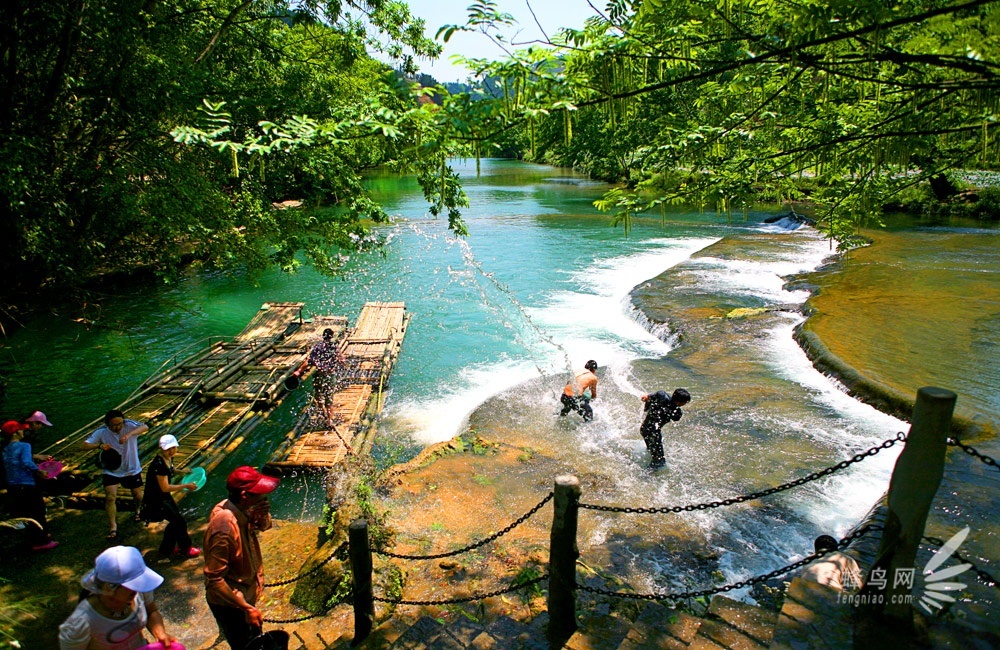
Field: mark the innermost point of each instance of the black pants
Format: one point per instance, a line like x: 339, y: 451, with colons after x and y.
x: 652, y: 435
x: 579, y: 404
x: 233, y: 625
x: 176, y: 533
x: 26, y: 501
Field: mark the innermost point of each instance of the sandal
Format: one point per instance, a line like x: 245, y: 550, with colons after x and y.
x: 112, y: 536
x: 137, y: 518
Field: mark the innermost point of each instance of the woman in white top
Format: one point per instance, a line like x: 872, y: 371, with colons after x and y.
x: 118, y: 605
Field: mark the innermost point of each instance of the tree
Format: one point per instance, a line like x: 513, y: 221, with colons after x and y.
x: 91, y: 180
x: 845, y: 104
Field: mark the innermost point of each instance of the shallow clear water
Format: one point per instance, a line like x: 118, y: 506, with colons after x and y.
x: 542, y: 284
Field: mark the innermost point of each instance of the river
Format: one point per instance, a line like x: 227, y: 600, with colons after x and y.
x: 541, y: 285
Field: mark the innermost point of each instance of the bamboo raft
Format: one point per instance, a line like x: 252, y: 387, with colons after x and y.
x: 210, y: 400
x: 370, y: 351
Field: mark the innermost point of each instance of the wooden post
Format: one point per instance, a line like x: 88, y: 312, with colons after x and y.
x: 563, y: 553
x: 361, y: 579
x: 915, y: 481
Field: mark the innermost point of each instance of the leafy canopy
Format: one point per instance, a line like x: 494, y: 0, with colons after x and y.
x: 726, y: 103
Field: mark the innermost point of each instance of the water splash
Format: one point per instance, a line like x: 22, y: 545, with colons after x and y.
x: 470, y: 260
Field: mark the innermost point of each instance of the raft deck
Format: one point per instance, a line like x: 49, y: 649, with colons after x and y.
x: 370, y: 351
x: 210, y: 400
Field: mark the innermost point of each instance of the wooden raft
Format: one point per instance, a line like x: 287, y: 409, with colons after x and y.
x: 210, y: 400
x: 370, y: 351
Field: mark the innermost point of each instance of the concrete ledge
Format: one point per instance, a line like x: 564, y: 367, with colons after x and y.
x: 813, y: 619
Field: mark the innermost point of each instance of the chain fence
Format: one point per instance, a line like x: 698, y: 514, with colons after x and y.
x: 475, y: 545
x: 955, y: 442
x: 467, y: 599
x: 666, y: 597
x: 900, y: 437
x: 281, y: 583
x: 701, y: 593
x: 298, y: 619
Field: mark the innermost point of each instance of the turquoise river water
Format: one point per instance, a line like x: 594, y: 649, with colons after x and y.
x: 541, y: 285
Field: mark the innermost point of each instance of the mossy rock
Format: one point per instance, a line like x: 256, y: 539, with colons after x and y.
x: 747, y: 312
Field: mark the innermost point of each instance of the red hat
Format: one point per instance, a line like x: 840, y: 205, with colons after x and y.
x: 10, y: 427
x: 248, y: 479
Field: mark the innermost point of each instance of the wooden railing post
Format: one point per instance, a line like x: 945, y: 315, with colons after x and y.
x: 914, y: 483
x: 563, y: 553
x: 361, y: 579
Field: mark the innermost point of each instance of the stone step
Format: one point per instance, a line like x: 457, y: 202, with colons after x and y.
x: 661, y: 628
x: 812, y: 617
x: 754, y: 622
x: 734, y: 626
x: 599, y: 633
x: 718, y: 635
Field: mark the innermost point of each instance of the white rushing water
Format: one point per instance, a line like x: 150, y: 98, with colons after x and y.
x: 585, y: 312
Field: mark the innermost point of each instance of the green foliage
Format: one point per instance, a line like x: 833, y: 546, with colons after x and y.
x: 343, y: 591
x: 843, y: 105
x: 380, y: 536
x: 145, y: 137
x: 524, y: 576
x: 141, y: 137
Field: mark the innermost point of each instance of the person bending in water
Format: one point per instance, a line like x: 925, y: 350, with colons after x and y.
x: 660, y: 408
x: 578, y: 392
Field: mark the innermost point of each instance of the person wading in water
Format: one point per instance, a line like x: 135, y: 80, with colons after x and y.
x: 660, y: 408
x: 578, y: 392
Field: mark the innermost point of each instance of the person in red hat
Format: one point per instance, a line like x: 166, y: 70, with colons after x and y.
x: 23, y: 493
x: 234, y: 568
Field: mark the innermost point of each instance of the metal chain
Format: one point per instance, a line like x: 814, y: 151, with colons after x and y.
x: 285, y: 621
x: 900, y: 437
x: 308, y: 573
x: 844, y: 543
x: 985, y: 577
x: 299, y: 619
x: 955, y: 442
x: 469, y: 599
x: 492, y: 537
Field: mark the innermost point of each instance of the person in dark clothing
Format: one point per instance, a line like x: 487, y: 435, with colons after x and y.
x: 660, y: 408
x: 327, y: 357
x: 159, y: 505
